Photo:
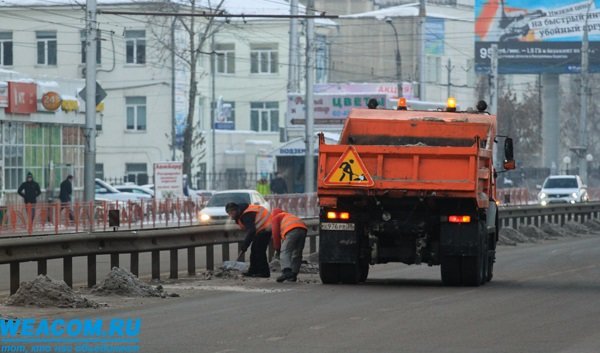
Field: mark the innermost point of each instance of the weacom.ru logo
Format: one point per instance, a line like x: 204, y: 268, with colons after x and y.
x: 88, y: 335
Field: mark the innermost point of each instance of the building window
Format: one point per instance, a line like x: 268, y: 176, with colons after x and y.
x: 225, y: 60
x: 83, y: 46
x: 433, y: 69
x: 225, y: 116
x: 136, y: 173
x: 46, y: 47
x: 264, y: 116
x: 6, y: 49
x: 135, y: 42
x: 136, y: 113
x: 264, y: 59
x: 321, y: 59
x: 100, y: 170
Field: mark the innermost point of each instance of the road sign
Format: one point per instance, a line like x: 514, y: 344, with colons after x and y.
x: 349, y: 170
x: 100, y: 93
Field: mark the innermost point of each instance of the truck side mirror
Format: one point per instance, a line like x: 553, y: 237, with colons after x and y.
x: 508, y: 149
x: 509, y: 160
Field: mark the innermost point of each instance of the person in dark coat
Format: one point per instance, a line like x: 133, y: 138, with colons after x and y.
x: 278, y: 185
x: 66, y: 190
x: 29, y: 191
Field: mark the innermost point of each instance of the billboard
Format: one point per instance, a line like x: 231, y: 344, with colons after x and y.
x: 330, y: 108
x: 168, y: 180
x: 536, y: 36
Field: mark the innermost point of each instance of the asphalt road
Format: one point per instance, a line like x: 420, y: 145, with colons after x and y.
x: 544, y: 298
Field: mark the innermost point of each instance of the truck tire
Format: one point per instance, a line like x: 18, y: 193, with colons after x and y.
x: 364, y: 270
x: 349, y: 273
x: 329, y: 273
x: 450, y: 269
x: 492, y: 240
x: 474, y: 268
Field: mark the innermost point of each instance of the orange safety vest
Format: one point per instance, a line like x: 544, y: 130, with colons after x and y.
x: 290, y: 222
x: 262, y: 221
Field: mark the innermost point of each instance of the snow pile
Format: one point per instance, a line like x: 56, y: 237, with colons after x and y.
x: 535, y: 233
x: 555, y: 230
x: 593, y: 225
x: 122, y: 282
x: 576, y: 228
x: 44, y: 291
x: 228, y: 274
x: 512, y: 235
x: 309, y: 267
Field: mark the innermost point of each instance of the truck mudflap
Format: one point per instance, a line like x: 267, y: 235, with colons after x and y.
x: 460, y: 239
x: 338, y: 246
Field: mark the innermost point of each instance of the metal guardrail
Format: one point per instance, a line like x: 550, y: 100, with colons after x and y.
x: 14, y: 251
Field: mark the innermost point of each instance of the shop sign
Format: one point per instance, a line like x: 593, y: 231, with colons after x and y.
x: 22, y: 98
x: 51, y: 101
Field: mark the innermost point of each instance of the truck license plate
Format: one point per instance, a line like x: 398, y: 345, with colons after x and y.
x: 337, y: 226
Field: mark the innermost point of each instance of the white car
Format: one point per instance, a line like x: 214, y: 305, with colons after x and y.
x: 136, y: 189
x: 214, y: 212
x: 563, y: 189
x: 107, y: 192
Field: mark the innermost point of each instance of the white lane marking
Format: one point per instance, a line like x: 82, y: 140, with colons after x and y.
x: 229, y: 289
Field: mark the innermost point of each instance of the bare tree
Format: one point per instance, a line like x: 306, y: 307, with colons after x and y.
x: 194, y: 33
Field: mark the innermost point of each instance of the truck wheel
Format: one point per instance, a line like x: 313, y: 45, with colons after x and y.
x: 450, y: 269
x: 349, y: 273
x: 364, y: 270
x: 329, y: 273
x: 472, y: 270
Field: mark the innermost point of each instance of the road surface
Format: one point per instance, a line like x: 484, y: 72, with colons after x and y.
x: 544, y: 298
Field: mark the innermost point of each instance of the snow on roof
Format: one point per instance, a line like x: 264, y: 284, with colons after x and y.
x: 407, y: 10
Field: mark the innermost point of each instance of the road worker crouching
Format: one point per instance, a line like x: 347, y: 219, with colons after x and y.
x: 289, y: 234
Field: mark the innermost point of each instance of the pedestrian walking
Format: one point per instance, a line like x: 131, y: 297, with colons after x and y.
x: 289, y: 235
x: 66, y: 190
x: 278, y: 184
x: 29, y: 191
x: 256, y: 221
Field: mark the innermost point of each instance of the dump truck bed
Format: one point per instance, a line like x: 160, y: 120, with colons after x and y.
x: 407, y: 153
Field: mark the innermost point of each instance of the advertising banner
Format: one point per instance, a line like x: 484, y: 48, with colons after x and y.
x: 168, y: 180
x: 330, y: 108
x: 22, y: 98
x: 536, y: 36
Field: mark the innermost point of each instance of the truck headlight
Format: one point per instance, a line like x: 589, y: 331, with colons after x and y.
x: 204, y: 217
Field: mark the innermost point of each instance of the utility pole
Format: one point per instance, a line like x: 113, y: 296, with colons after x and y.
x: 90, y: 105
x: 173, y: 116
x: 494, y: 79
x: 213, y: 107
x: 398, y: 58
x: 421, y: 38
x: 582, y: 149
x: 449, y: 67
x: 309, y: 168
x: 294, y: 43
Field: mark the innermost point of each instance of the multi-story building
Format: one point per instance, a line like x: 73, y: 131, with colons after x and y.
x: 48, y: 38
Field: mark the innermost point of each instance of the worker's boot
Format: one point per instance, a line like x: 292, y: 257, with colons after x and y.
x: 287, y: 274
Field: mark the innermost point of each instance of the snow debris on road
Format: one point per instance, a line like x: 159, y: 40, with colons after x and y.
x: 308, y: 267
x: 555, y: 230
x: 512, y: 236
x: 44, y: 291
x: 121, y: 282
x: 593, y: 225
x: 547, y: 231
x: 576, y: 228
x: 227, y: 274
x: 533, y: 232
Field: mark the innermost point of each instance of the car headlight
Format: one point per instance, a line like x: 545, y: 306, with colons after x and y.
x: 543, y: 195
x: 574, y: 195
x: 204, y: 217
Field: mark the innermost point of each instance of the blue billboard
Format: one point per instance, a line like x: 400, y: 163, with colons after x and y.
x: 536, y: 36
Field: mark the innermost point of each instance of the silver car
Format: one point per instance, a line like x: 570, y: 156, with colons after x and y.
x: 563, y: 189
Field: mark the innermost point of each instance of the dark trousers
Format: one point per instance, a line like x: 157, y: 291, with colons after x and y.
x: 258, y: 255
x: 30, y: 207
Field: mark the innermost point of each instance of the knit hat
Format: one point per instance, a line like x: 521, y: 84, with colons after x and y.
x: 231, y: 206
x: 29, y: 175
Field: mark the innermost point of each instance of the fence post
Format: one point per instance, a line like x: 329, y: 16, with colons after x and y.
x: 156, y: 264
x: 114, y: 260
x: 14, y: 277
x: 225, y: 251
x: 68, y: 270
x: 91, y: 271
x: 42, y: 267
x: 210, y: 257
x: 191, y: 260
x: 174, y: 263
x: 134, y: 263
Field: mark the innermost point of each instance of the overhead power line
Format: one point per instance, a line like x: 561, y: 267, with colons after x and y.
x: 209, y: 14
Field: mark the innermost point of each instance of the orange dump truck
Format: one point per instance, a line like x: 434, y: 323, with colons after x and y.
x: 416, y: 187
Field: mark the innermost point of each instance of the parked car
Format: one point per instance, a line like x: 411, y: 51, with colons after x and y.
x: 214, y: 212
x: 563, y: 189
x: 105, y: 191
x: 135, y: 189
x: 193, y: 192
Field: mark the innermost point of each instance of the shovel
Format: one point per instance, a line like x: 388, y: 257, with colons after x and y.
x: 236, y: 265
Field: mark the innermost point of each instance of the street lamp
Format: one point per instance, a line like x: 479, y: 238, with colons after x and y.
x: 567, y: 161
x: 398, y: 58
